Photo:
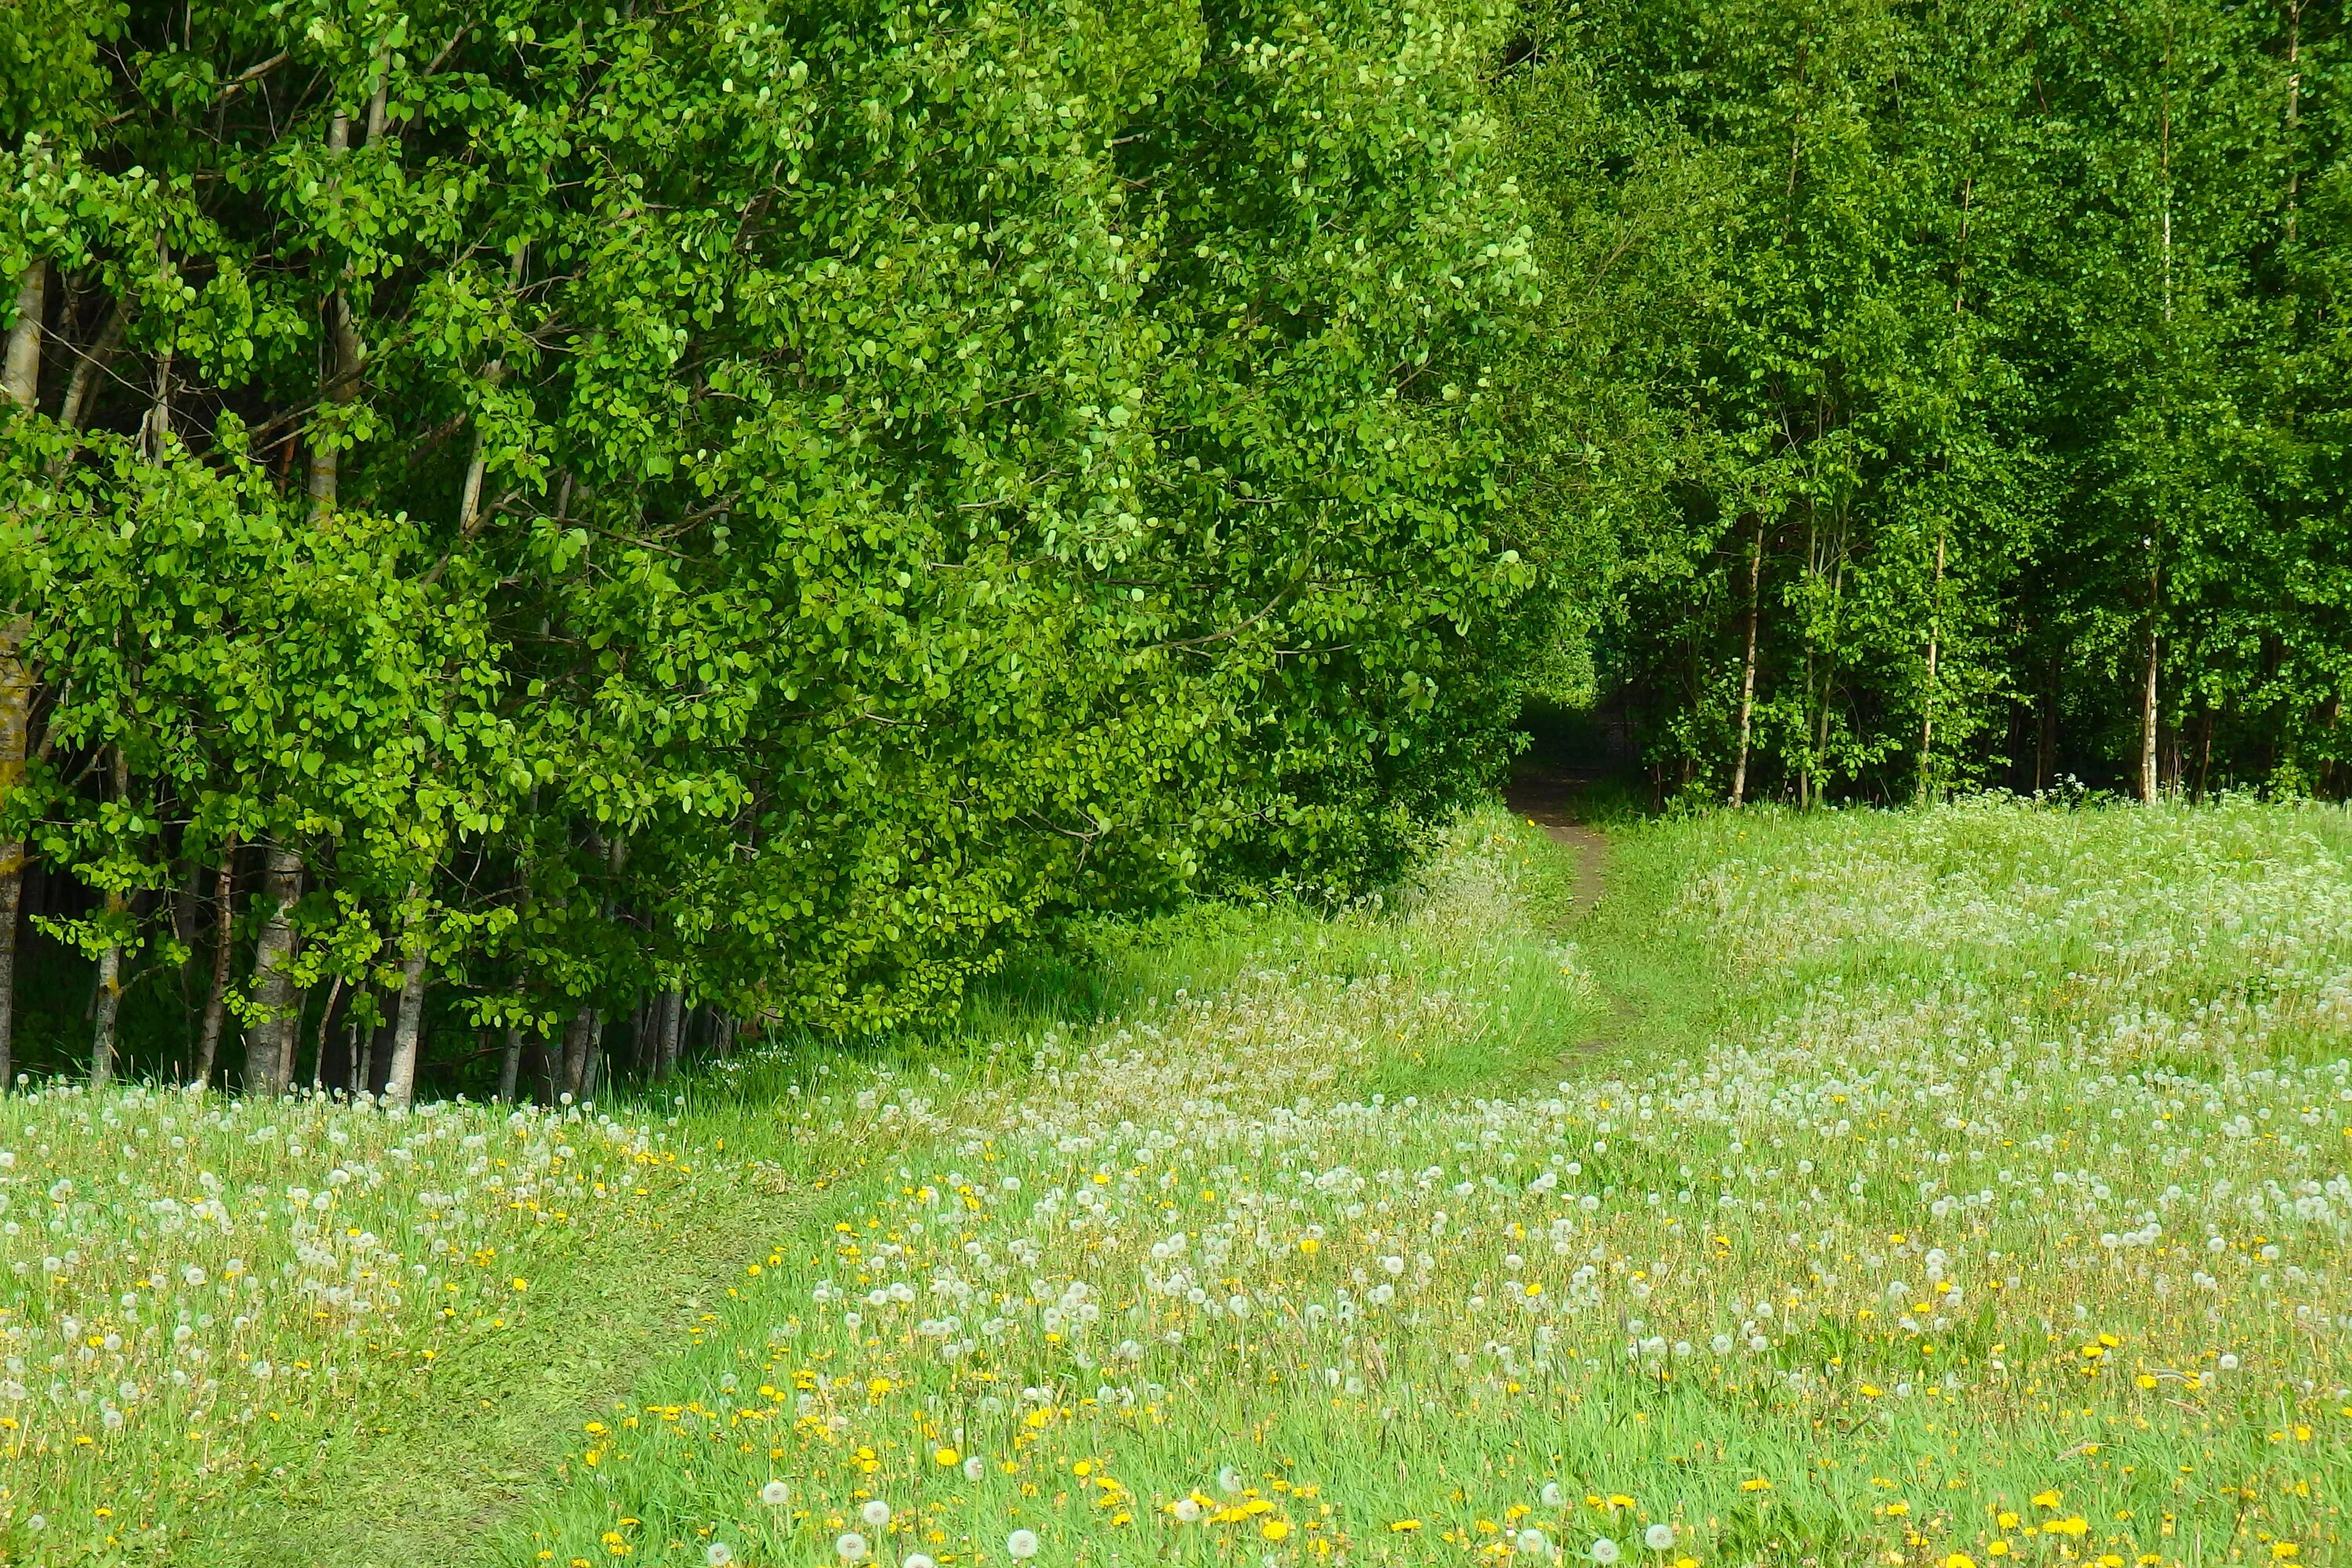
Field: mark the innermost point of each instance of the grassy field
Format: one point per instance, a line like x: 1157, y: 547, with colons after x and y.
x: 1960, y: 1185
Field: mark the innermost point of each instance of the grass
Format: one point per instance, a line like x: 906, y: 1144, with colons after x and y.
x: 1852, y: 1187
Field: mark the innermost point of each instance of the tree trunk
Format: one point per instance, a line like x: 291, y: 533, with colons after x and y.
x: 1748, y: 665
x: 577, y: 1041
x: 1927, y: 704
x: 159, y: 410
x: 12, y: 897
x: 544, y: 1060
x: 109, y: 1003
x: 20, y: 384
x: 81, y: 387
x: 223, y: 953
x: 673, y: 1008
x: 363, y: 1062
x: 159, y: 405
x: 20, y: 370
x: 2148, y: 784
x: 109, y: 1000
x: 510, y: 1063
x: 326, y: 1024
x: 269, y: 1049
x: 400, y: 1082
x: 16, y: 721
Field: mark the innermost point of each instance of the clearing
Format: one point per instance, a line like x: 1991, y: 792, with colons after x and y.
x: 1960, y: 1184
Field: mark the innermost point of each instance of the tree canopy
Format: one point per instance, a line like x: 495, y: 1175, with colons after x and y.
x: 536, y: 538
x: 1960, y: 382
x: 592, y: 515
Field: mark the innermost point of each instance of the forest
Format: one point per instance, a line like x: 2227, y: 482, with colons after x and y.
x: 539, y: 542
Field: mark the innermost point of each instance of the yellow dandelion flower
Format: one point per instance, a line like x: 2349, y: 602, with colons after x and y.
x: 1274, y: 1528
x: 945, y: 1456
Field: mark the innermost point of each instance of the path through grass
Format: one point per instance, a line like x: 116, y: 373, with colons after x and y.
x: 1870, y: 1187
x: 1997, y: 1213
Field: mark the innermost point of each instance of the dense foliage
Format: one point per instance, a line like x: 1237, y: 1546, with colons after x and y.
x: 1956, y: 391
x: 535, y: 538
x: 542, y: 535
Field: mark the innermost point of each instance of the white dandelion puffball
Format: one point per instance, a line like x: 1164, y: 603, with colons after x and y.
x: 974, y: 1468
x: 876, y: 1514
x: 2228, y: 1361
x: 1021, y: 1546
x: 1188, y: 1509
x: 917, y: 1560
x: 1605, y: 1551
x: 775, y: 1494
x: 851, y: 1547
x: 1529, y: 1542
x: 1552, y: 1495
x: 1229, y: 1480
x: 718, y: 1555
x: 1658, y: 1537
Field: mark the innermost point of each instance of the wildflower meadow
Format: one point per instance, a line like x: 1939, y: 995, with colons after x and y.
x: 1952, y: 1187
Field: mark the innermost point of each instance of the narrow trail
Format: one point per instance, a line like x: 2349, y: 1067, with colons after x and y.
x: 443, y: 1476
x: 1550, y: 801
x: 1661, y: 997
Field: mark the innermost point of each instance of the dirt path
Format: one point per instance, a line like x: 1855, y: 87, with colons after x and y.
x: 1548, y: 800
x: 1660, y: 999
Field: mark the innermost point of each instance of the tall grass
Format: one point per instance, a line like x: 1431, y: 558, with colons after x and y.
x: 1960, y: 1184
x: 196, y: 1287
x: 2001, y: 1217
